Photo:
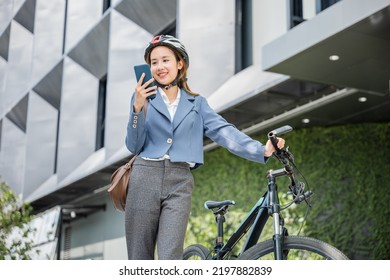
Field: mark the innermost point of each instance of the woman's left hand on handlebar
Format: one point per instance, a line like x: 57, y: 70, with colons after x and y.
x: 270, y: 149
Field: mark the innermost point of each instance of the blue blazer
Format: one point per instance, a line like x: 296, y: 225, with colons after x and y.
x: 182, y: 138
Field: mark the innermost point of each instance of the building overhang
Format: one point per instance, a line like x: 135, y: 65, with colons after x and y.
x: 346, y: 45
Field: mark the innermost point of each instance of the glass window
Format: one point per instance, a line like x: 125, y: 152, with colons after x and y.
x: 101, y: 113
x: 106, y: 5
x: 296, y: 13
x: 324, y: 4
x: 243, y: 55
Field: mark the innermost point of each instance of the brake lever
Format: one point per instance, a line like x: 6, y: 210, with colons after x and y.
x: 281, y: 155
x: 305, y: 197
x: 299, y: 194
x: 289, y: 155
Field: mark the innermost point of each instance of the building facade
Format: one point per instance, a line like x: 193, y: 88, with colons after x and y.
x: 66, y: 79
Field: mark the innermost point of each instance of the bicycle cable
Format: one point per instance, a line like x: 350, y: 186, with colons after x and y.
x: 304, y: 219
x: 308, y: 208
x: 305, y: 181
x: 290, y: 158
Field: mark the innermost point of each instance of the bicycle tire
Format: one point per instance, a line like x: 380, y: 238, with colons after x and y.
x: 298, y: 248
x: 196, y: 252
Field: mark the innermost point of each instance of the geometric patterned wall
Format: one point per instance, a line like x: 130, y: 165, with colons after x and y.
x: 59, y: 62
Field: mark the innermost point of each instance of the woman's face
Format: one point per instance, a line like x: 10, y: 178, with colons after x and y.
x: 164, y: 65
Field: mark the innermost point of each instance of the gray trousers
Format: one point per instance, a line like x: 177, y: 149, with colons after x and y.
x: 157, y: 209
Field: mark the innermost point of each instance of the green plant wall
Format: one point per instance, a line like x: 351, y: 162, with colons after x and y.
x: 347, y: 167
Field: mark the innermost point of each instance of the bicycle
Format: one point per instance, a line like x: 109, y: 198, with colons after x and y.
x: 282, y: 246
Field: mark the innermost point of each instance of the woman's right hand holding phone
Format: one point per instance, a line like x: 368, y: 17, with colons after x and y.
x: 142, y: 91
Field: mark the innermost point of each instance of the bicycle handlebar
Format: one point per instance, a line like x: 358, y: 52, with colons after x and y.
x: 279, y: 131
x: 272, y: 135
x: 286, y: 157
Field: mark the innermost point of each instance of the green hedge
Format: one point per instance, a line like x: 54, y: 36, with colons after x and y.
x: 348, y: 168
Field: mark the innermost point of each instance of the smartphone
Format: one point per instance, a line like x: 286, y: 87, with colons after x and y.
x: 144, y: 68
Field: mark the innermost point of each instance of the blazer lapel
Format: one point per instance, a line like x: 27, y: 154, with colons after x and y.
x: 185, y: 106
x: 159, y: 105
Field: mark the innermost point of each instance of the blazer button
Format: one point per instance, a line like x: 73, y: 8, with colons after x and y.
x: 169, y: 140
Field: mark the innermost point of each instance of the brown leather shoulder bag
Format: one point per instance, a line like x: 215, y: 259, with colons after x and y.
x: 120, y: 180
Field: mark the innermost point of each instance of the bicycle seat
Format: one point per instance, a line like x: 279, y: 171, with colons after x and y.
x: 217, y: 204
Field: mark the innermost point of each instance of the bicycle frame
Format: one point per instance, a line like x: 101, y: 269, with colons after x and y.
x: 257, y: 217
x: 268, y: 205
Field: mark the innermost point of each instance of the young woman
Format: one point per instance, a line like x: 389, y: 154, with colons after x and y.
x: 170, y: 139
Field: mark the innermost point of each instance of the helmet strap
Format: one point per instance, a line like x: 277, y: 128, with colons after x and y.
x: 166, y: 87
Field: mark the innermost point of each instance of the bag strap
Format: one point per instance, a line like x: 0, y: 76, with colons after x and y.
x: 119, y: 173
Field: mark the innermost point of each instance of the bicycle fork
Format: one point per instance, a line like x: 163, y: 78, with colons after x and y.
x: 274, y: 210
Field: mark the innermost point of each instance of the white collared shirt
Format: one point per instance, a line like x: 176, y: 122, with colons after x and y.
x: 172, y: 107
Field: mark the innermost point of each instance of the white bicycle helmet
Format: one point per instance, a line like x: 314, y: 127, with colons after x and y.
x: 169, y: 41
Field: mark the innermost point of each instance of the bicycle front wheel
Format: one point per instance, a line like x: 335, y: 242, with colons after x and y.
x: 294, y: 248
x: 196, y: 252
